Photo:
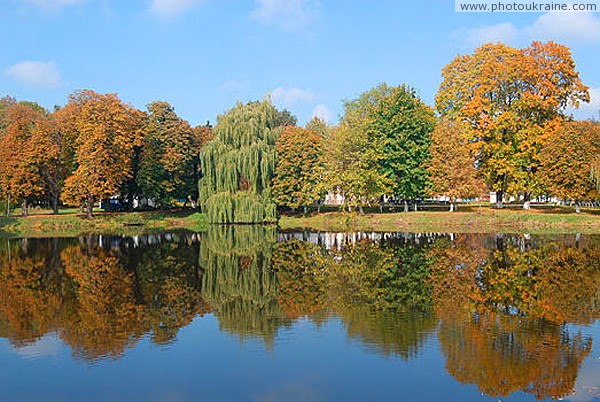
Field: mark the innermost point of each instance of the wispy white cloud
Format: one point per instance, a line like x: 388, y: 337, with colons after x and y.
x: 322, y: 112
x: 37, y: 74
x: 52, y: 4
x: 287, y: 14
x: 289, y: 97
x: 568, y: 27
x: 172, y: 8
x: 490, y: 33
x: 574, y: 27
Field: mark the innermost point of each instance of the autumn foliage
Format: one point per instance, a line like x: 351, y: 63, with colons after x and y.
x: 502, y: 126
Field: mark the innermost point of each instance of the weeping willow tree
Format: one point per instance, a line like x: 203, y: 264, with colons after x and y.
x: 238, y: 281
x: 238, y: 166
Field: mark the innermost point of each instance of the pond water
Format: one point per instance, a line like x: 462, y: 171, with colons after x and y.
x: 249, y: 314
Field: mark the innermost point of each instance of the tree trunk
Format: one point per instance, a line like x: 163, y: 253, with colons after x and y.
x: 381, y: 207
x: 527, y: 199
x: 405, y: 206
x: 24, y: 211
x: 55, y: 204
x: 319, y: 206
x: 360, y: 208
x: 8, y: 205
x: 415, y: 205
x: 451, y: 206
x: 305, y: 210
x: 577, y: 207
x: 90, y: 207
x: 499, y: 196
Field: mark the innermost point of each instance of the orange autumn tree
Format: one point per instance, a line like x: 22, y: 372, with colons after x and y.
x: 106, y: 132
x: 19, y: 176
x: 452, y: 166
x: 568, y: 162
x: 510, y: 100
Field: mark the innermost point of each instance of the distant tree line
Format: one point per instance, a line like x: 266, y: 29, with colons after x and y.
x: 499, y: 124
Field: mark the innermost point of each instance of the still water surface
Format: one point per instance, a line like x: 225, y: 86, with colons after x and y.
x: 249, y: 314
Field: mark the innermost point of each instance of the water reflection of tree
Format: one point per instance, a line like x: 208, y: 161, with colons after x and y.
x: 238, y: 281
x: 502, y: 311
x: 382, y: 295
x: 103, y: 317
x: 168, y: 280
x: 299, y: 267
x: 503, y: 353
x: 29, y: 298
x: 99, y: 301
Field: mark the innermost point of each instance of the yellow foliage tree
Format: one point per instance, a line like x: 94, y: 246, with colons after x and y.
x: 106, y: 132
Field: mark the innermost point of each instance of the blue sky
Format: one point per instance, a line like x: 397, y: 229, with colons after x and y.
x: 204, y: 55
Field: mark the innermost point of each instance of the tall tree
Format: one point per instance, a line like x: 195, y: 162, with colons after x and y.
x: 509, y: 100
x: 167, y: 157
x: 452, y: 166
x: 568, y: 159
x: 388, y: 130
x: 401, y: 123
x: 299, y: 168
x: 352, y: 168
x: 18, y: 171
x: 238, y: 165
x: 107, y: 131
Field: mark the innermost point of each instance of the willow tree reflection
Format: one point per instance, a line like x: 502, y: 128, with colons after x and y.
x: 502, y: 314
x: 238, y: 281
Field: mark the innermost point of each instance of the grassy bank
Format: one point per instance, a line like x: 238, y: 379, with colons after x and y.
x: 470, y: 220
x: 71, y: 223
x: 474, y: 220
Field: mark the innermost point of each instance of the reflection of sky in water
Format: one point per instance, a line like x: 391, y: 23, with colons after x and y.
x: 587, y: 388
x: 348, y: 354
x: 47, y: 345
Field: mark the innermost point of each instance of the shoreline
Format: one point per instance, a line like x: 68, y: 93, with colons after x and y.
x: 470, y: 220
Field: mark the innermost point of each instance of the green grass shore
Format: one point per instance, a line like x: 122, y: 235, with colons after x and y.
x: 71, y: 223
x: 468, y: 220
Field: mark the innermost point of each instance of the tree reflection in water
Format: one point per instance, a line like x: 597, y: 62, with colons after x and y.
x: 500, y: 306
x: 238, y: 280
x: 503, y: 313
x: 99, y: 300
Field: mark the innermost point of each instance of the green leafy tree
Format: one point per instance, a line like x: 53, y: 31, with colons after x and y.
x: 285, y: 118
x: 299, y: 168
x: 352, y: 169
x: 238, y: 166
x: 400, y: 124
x: 166, y: 169
x: 384, y: 138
